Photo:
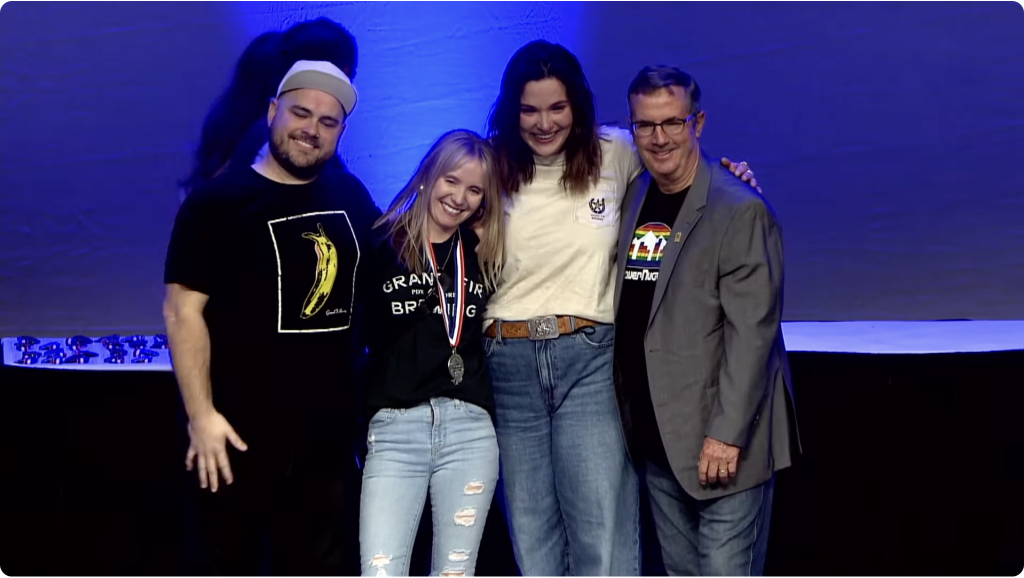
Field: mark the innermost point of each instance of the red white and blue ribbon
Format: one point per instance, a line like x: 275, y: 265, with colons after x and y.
x: 454, y: 324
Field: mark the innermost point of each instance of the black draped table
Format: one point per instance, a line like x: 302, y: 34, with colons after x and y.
x: 911, y: 466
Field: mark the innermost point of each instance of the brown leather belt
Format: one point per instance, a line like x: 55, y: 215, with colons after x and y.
x: 538, y: 328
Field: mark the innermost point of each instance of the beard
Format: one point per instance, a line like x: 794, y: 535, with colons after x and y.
x: 300, y: 166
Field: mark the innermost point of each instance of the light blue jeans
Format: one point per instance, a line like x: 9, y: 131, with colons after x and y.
x: 446, y: 447
x: 571, y: 494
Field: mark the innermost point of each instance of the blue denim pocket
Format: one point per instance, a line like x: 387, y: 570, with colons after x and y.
x: 474, y: 411
x: 599, y: 337
x: 489, y: 345
x: 383, y: 417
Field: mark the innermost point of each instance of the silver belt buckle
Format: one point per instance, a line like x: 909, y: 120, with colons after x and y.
x: 542, y: 328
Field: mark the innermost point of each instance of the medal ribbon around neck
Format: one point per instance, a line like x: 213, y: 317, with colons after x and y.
x: 453, y: 327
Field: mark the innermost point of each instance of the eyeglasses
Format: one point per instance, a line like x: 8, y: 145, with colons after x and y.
x: 670, y: 126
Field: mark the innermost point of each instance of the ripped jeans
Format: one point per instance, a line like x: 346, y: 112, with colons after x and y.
x: 446, y: 446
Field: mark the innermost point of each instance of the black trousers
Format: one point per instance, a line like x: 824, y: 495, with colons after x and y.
x: 290, y: 511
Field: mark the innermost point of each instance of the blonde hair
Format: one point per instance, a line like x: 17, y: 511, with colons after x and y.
x: 407, y: 216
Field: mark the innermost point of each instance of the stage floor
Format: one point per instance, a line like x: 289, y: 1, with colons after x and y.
x: 904, y: 336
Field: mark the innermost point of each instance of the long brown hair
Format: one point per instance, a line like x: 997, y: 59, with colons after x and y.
x: 407, y: 216
x: 536, y: 61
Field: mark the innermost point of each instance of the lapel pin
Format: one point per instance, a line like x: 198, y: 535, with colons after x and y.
x: 679, y: 236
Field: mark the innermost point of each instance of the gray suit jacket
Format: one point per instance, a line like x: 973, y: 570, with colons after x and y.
x: 716, y: 361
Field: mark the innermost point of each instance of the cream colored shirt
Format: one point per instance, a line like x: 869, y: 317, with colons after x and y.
x: 560, y: 247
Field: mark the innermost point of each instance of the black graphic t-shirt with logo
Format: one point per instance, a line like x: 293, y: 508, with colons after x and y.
x: 643, y: 265
x: 279, y: 264
x: 406, y: 335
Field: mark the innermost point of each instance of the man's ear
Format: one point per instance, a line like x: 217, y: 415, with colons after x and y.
x: 699, y: 122
x: 272, y: 111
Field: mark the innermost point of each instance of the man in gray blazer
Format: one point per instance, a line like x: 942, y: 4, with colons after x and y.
x: 702, y: 375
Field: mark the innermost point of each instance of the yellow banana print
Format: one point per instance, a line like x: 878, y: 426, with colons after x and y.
x: 326, y: 270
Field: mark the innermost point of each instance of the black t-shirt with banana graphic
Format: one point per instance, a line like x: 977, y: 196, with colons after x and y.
x: 279, y: 263
x: 406, y: 335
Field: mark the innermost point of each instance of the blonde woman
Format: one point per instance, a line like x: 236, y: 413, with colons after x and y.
x: 428, y: 390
